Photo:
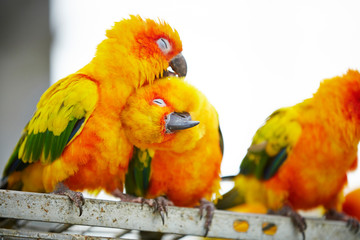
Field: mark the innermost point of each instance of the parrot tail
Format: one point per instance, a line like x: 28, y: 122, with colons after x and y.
x: 246, y: 190
x: 228, y: 178
x: 230, y: 199
x: 4, y: 183
x: 236, y: 196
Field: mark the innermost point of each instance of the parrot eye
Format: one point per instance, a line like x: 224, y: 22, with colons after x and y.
x: 160, y: 102
x: 164, y: 45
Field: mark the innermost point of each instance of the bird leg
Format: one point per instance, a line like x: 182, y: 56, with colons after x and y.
x: 126, y: 197
x: 159, y: 204
x: 351, y: 223
x: 296, y: 218
x: 209, y: 207
x: 76, y: 197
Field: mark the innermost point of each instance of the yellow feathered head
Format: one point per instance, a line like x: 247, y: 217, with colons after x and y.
x: 165, y: 115
x: 141, y: 50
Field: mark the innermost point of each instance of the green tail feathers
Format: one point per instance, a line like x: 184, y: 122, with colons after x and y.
x: 230, y: 199
x: 137, y: 178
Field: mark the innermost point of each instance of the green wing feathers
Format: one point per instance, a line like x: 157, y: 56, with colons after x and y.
x: 138, y: 176
x: 271, y: 144
x: 269, y: 150
x: 60, y: 116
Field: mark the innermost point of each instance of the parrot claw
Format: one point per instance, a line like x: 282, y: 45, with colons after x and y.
x: 351, y: 223
x: 296, y: 218
x: 162, y: 217
x: 76, y: 197
x: 209, y: 207
x: 159, y: 205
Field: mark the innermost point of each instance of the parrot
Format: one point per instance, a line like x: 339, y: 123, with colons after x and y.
x: 178, y: 147
x: 299, y: 158
x: 75, y: 140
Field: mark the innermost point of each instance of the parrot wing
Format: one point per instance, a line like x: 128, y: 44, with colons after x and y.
x: 272, y: 143
x: 138, y: 176
x: 60, y: 116
x: 268, y: 151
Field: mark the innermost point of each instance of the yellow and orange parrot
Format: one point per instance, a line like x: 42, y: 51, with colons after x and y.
x: 178, y: 146
x: 299, y: 158
x: 75, y: 140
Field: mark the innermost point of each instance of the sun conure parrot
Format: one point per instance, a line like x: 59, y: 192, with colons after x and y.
x: 299, y: 158
x: 178, y: 146
x: 75, y: 140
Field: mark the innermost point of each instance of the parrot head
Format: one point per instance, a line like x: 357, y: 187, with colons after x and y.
x: 143, y: 50
x: 164, y: 115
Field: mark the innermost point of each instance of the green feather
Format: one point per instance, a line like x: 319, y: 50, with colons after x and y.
x: 45, y: 146
x: 13, y: 158
x: 137, y: 178
x: 47, y: 143
x: 54, y: 146
x: 275, y: 164
x: 28, y: 147
x: 230, y: 199
x: 37, y: 148
x: 62, y: 140
x: 259, y: 163
x: 259, y: 170
x: 139, y: 182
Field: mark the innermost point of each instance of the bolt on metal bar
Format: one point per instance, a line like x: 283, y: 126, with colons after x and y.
x: 183, y: 221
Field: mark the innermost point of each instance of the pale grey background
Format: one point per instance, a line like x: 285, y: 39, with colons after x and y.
x: 24, y: 66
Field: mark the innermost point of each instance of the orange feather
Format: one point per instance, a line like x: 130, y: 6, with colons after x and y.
x: 320, y: 137
x: 97, y: 155
x: 351, y: 205
x: 185, y: 164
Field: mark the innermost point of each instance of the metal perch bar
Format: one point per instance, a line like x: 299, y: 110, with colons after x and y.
x: 184, y: 221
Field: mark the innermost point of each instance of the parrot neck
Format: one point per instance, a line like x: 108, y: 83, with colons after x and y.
x: 339, y: 101
x: 114, y: 87
x: 108, y: 73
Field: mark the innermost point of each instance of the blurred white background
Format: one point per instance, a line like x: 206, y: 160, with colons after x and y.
x: 248, y: 57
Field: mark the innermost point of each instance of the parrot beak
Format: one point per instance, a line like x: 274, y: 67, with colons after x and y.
x: 178, y: 65
x: 179, y: 121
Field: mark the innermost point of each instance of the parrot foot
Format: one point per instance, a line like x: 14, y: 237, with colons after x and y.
x: 296, y: 218
x: 351, y: 223
x: 209, y: 207
x: 158, y: 204
x: 76, y: 197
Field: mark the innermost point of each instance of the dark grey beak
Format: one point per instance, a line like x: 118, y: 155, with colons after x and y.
x: 178, y: 65
x: 179, y: 121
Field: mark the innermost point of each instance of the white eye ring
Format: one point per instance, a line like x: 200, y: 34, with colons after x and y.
x: 160, y: 102
x: 164, y: 45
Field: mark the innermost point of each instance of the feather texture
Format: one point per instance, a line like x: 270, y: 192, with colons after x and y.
x: 185, y: 164
x: 301, y: 155
x: 76, y: 136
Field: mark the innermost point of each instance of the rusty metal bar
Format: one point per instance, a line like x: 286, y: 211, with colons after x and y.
x: 184, y: 221
x: 26, y: 234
